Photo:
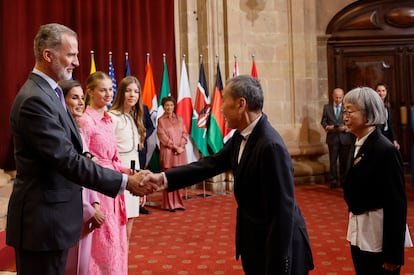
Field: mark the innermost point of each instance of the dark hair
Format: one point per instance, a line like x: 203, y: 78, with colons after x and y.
x: 386, y: 100
x: 168, y: 98
x: 67, y: 85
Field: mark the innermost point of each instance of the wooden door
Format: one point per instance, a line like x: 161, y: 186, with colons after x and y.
x: 372, y: 42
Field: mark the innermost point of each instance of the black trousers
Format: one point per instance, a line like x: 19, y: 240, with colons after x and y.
x: 369, y: 263
x: 41, y: 262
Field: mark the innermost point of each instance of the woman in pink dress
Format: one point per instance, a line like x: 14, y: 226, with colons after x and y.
x: 79, y: 255
x: 173, y: 137
x: 109, y: 244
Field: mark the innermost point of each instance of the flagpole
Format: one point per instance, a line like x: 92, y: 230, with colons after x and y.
x: 204, y: 195
x: 186, y: 196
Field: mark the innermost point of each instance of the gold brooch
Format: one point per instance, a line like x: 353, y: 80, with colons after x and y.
x: 357, y: 160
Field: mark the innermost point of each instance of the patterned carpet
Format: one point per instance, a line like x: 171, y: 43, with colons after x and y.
x: 200, y: 240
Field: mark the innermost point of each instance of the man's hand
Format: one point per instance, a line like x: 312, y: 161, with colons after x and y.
x: 157, y: 179
x: 138, y: 187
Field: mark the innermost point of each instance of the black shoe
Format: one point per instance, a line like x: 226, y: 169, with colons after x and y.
x: 333, y: 184
x: 180, y: 208
x: 142, y: 210
x: 170, y: 210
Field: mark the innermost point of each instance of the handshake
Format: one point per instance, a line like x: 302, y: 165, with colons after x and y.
x: 145, y: 182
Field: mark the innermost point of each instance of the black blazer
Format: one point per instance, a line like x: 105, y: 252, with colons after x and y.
x: 45, y: 207
x: 389, y: 133
x: 329, y: 118
x: 376, y: 180
x: 268, y: 217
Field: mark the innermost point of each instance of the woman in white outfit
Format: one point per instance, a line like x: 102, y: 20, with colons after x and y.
x: 127, y: 119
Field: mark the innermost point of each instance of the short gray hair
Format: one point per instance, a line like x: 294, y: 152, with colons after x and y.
x: 370, y: 104
x: 249, y: 88
x: 49, y: 36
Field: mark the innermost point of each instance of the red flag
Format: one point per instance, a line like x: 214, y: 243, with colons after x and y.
x: 235, y: 67
x: 254, y: 70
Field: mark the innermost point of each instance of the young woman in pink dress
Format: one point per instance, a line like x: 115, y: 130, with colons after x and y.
x: 173, y: 137
x: 79, y: 255
x: 109, y: 244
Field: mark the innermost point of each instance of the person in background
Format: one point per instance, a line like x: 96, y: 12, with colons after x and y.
x: 79, y: 255
x: 109, y: 243
x: 44, y: 216
x: 337, y: 137
x: 374, y: 188
x: 127, y: 121
x: 173, y: 137
x: 387, y: 128
x: 271, y: 235
x: 149, y: 126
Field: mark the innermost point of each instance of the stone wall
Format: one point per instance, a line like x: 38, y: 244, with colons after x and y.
x: 288, y: 42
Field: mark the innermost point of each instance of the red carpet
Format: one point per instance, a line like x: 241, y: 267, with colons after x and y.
x: 200, y: 240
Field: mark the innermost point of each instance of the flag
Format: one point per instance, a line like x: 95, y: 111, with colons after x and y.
x: 201, y: 114
x: 217, y: 124
x: 127, y: 70
x: 154, y: 163
x: 235, y: 67
x: 93, y: 67
x: 149, y: 98
x: 185, y: 109
x: 111, y: 73
x: 184, y: 101
x: 254, y: 70
x: 165, y: 89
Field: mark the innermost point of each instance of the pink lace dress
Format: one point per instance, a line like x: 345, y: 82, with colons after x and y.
x: 109, y: 243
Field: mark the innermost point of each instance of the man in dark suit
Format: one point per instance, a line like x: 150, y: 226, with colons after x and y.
x: 337, y: 137
x: 44, y: 216
x: 271, y: 235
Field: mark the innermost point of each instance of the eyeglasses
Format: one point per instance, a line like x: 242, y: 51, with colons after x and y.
x: 348, y: 113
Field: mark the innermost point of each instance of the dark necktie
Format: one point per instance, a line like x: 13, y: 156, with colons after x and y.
x: 337, y: 111
x: 59, y: 92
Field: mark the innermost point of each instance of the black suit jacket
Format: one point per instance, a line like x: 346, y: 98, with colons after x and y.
x: 376, y: 180
x: 329, y: 118
x: 45, y: 207
x: 268, y: 218
x: 389, y: 133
